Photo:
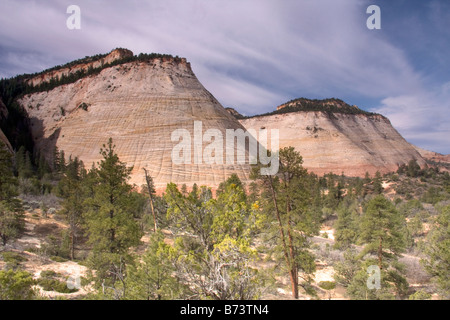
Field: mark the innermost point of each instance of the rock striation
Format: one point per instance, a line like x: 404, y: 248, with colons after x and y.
x: 341, y: 139
x: 139, y: 104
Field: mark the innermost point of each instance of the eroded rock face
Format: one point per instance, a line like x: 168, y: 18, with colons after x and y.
x: 3, y: 116
x: 234, y: 113
x: 440, y: 160
x: 112, y: 56
x: 139, y: 105
x: 349, y: 143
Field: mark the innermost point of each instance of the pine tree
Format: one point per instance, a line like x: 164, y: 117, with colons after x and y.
x: 367, y: 178
x: 335, y: 191
x: 360, y: 190
x: 20, y: 159
x: 43, y: 167
x: 7, y: 180
x: 16, y: 285
x: 55, y: 158
x: 110, y: 224
x: 437, y: 250
x: 23, y: 163
x: 346, y: 269
x: 377, y: 183
x: 184, y: 189
x: 358, y: 288
x: 233, y: 179
x: 12, y: 221
x: 233, y: 217
x: 61, y: 161
x: 382, y: 230
x: 346, y: 226
x: 28, y: 169
x: 152, y: 278
x: 189, y: 212
x: 213, y: 257
x: 70, y: 188
x: 413, y: 169
x: 287, y: 205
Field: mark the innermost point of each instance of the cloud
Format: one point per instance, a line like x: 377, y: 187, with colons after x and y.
x: 422, y: 118
x: 252, y: 55
x: 310, y: 45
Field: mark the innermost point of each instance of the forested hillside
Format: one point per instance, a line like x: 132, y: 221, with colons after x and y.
x: 73, y: 232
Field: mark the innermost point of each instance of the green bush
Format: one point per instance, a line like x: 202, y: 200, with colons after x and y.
x: 327, y: 285
x: 433, y: 195
x: 57, y: 247
x: 31, y: 249
x: 58, y: 259
x: 16, y: 285
x: 420, y: 295
x: 55, y: 285
x: 49, y: 274
x: 13, y: 257
x: 83, y: 106
x: 49, y: 282
x: 30, y: 186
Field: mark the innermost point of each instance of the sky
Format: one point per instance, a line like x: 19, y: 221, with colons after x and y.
x: 254, y: 55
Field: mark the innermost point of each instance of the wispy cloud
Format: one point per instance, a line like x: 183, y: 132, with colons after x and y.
x: 422, y: 117
x: 256, y: 54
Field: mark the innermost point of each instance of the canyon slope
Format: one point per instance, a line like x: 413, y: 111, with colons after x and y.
x: 139, y: 104
x: 333, y: 136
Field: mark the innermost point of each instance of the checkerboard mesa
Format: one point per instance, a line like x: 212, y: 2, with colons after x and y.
x: 138, y: 101
x: 333, y: 136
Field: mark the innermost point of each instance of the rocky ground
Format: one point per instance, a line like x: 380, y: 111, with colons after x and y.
x: 30, y: 247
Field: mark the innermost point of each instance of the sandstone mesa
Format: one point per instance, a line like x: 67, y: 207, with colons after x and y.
x: 140, y: 103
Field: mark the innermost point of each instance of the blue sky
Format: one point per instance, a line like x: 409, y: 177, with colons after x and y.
x: 254, y: 55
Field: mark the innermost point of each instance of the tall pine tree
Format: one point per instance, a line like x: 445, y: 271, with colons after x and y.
x: 110, y: 224
x: 437, y: 250
x: 70, y: 188
x: 287, y: 202
x: 382, y: 230
x: 12, y: 220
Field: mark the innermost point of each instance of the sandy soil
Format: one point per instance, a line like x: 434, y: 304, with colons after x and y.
x: 36, y: 229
